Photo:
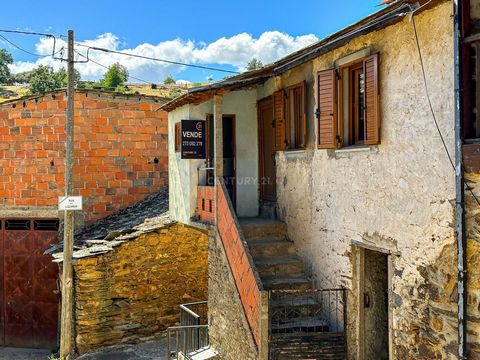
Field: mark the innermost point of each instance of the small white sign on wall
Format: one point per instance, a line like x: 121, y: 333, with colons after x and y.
x: 69, y: 203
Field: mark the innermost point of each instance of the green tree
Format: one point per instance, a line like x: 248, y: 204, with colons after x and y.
x: 115, y: 78
x: 23, y: 77
x: 5, y: 60
x: 169, y: 80
x: 43, y: 79
x: 254, y: 64
x: 61, y: 76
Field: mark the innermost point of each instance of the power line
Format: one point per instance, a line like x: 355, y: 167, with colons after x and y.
x: 106, y: 67
x: 27, y: 51
x: 427, y: 91
x: 157, y: 59
x: 27, y: 33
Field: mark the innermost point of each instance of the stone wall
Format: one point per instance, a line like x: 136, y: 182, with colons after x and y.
x: 133, y: 292
x: 230, y: 334
x: 472, y: 216
x: 120, y: 151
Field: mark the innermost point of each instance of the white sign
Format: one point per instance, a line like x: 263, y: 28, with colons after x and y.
x: 69, y: 203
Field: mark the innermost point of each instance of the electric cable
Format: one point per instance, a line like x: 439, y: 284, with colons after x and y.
x: 430, y: 102
x: 27, y: 51
x: 156, y: 59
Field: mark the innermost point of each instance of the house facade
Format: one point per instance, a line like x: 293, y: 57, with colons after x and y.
x: 333, y: 169
x: 120, y: 158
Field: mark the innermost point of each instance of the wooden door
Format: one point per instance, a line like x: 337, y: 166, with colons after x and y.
x: 30, y: 297
x: 268, y: 189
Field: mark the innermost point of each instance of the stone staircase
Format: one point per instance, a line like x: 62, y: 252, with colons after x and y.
x: 297, y: 328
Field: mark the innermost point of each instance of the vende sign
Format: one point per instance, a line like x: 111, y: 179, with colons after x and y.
x: 193, y: 139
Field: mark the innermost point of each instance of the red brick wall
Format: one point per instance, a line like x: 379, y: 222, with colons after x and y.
x: 206, y: 203
x: 239, y: 261
x: 120, y: 151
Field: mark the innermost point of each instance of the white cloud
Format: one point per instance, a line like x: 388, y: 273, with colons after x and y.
x: 236, y: 51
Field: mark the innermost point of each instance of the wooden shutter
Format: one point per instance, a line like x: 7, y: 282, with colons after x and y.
x: 327, y: 107
x: 178, y: 134
x: 303, y: 142
x: 279, y: 119
x: 372, y: 101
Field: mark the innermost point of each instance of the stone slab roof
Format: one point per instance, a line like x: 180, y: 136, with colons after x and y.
x: 105, y: 234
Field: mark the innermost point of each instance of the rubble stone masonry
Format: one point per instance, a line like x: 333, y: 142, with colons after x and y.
x: 120, y: 151
x: 133, y: 292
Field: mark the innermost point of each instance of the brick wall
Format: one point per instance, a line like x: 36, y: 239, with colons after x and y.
x: 120, y: 151
x: 248, y: 286
x: 206, y: 203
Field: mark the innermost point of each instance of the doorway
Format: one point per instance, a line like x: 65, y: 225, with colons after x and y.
x: 229, y: 165
x: 375, y: 305
x: 29, y: 297
x: 267, y: 180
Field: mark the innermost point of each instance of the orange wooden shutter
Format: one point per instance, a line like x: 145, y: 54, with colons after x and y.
x: 327, y: 107
x: 279, y: 119
x: 372, y: 101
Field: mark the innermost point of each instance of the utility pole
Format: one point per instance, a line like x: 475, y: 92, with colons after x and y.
x: 66, y: 328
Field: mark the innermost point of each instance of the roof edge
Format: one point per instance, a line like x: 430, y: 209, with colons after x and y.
x: 82, y: 90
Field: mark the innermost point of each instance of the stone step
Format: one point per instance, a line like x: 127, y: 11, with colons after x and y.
x: 308, y: 346
x: 294, y: 309
x: 271, y: 247
x: 304, y: 325
x: 291, y: 265
x: 287, y: 283
x: 258, y: 229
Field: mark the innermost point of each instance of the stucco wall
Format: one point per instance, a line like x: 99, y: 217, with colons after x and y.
x: 183, y: 173
x: 395, y: 196
x: 133, y: 292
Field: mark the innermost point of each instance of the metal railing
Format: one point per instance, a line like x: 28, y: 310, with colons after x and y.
x: 194, y: 313
x: 307, y: 311
x: 192, y: 334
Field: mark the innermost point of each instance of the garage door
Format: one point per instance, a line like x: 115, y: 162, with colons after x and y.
x: 29, y: 297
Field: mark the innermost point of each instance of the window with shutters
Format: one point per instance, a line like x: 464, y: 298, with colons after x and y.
x: 348, y: 105
x: 178, y: 136
x: 290, y: 118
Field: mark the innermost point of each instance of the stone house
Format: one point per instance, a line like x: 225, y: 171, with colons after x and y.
x: 333, y: 198
x: 120, y: 158
x: 132, y: 269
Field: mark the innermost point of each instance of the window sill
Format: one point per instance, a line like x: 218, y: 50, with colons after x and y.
x: 349, y: 149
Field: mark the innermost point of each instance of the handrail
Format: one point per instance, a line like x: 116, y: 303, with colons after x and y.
x: 184, y: 308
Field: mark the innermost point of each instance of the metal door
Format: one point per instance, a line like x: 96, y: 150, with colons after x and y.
x: 30, y: 297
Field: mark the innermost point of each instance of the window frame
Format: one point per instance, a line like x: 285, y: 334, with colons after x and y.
x: 332, y: 86
x: 353, y: 120
x: 299, y: 133
x: 178, y: 137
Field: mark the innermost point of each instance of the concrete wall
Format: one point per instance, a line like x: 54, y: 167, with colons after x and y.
x: 120, y: 152
x: 133, y: 292
x: 230, y: 334
x: 183, y: 173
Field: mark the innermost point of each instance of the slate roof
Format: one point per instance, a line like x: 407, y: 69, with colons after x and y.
x: 124, y: 225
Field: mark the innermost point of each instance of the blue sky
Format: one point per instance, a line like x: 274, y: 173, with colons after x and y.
x: 270, y: 29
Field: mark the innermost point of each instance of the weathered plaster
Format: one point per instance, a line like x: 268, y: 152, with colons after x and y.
x: 397, y: 195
